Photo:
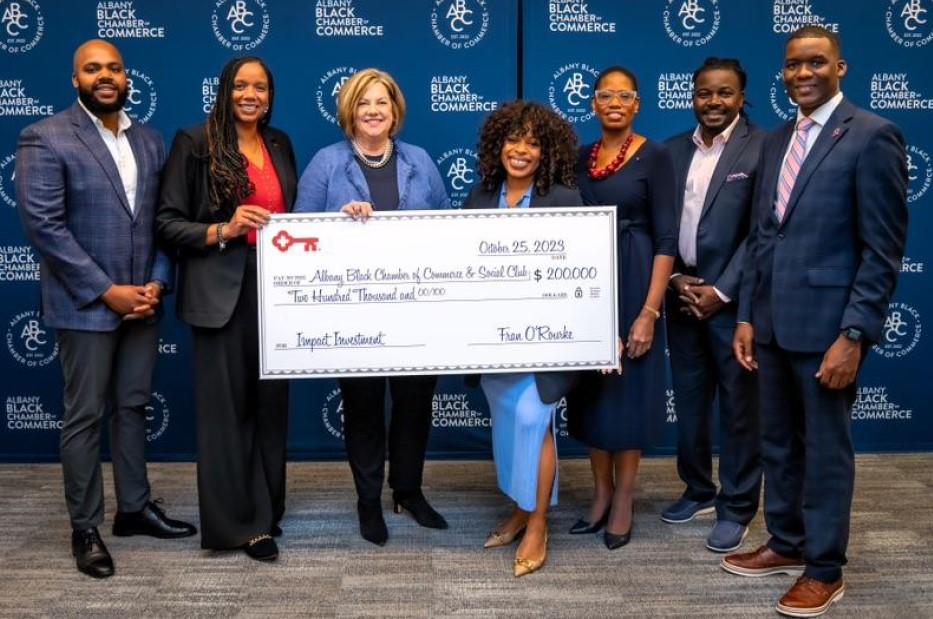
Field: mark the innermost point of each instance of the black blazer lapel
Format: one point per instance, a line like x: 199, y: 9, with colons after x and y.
x: 87, y: 133
x: 734, y: 147
x: 283, y: 169
x: 830, y: 135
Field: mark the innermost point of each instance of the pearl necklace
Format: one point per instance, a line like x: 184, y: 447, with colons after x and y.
x: 379, y: 163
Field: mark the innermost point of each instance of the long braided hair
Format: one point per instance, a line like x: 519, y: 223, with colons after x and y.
x: 229, y: 183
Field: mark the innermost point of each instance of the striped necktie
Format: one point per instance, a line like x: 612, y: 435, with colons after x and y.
x: 798, y: 152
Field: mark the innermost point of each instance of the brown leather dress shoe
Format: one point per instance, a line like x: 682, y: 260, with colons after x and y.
x: 761, y: 562
x: 810, y: 598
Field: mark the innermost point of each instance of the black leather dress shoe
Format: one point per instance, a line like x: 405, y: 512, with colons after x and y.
x: 415, y: 504
x: 152, y: 521
x: 90, y: 554
x: 372, y: 524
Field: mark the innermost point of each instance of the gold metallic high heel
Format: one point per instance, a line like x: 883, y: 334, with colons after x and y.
x: 523, y: 566
x: 497, y: 539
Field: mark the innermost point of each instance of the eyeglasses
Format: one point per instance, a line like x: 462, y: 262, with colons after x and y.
x: 627, y: 97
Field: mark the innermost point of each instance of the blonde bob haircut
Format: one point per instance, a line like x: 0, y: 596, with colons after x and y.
x: 352, y: 91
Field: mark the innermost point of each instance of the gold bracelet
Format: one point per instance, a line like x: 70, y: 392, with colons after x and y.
x: 654, y: 312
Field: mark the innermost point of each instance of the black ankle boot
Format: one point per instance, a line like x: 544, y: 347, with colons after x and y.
x: 414, y: 503
x: 372, y: 525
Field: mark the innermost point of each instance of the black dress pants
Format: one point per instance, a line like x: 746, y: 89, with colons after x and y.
x: 242, y: 429
x: 365, y: 431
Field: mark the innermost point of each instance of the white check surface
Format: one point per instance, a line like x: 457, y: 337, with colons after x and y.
x: 438, y: 292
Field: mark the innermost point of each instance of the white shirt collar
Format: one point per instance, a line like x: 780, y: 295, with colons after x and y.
x: 723, y: 136
x: 821, y: 114
x: 123, y: 119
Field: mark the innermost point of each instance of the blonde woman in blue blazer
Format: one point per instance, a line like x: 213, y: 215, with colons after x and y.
x: 371, y: 171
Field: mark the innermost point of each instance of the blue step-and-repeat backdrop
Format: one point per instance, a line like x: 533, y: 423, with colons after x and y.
x: 456, y: 60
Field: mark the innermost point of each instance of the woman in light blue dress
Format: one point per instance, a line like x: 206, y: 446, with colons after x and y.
x: 526, y: 160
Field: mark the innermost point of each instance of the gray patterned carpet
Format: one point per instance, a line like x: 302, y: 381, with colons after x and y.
x: 327, y: 570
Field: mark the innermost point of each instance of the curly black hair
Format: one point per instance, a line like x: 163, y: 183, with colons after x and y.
x: 517, y: 118
x: 229, y: 182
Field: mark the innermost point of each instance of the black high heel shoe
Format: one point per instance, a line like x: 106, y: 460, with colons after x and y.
x: 582, y: 527
x: 416, y: 505
x: 614, y: 541
x: 372, y: 524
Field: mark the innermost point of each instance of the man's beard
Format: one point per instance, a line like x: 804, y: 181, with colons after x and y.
x: 96, y: 107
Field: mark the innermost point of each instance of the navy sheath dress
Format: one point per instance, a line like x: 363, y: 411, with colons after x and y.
x: 611, y: 412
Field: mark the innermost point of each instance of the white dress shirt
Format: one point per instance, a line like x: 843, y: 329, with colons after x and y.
x: 702, y: 166
x: 120, y: 151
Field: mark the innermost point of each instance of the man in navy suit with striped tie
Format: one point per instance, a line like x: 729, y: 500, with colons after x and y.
x: 87, y: 180
x: 824, y: 251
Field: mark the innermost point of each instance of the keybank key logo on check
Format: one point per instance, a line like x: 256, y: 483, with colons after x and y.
x: 283, y: 241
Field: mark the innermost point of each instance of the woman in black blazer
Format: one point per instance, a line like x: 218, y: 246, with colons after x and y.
x: 220, y: 184
x: 526, y: 159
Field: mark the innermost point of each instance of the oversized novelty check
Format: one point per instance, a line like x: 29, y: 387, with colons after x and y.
x: 438, y: 292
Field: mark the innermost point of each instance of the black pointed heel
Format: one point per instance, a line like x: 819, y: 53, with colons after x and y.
x: 582, y: 527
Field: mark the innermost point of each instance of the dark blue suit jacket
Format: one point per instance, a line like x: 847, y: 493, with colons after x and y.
x: 832, y: 263
x: 552, y: 386
x: 71, y: 200
x: 724, y: 219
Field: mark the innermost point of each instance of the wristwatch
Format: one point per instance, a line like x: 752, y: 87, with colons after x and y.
x: 853, y: 334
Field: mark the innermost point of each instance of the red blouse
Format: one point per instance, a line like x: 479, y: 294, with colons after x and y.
x: 268, y: 192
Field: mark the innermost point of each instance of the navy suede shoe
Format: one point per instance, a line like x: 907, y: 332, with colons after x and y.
x: 685, y: 510
x: 726, y: 536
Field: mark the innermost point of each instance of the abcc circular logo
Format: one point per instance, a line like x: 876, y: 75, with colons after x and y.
x: 908, y: 23
x: 783, y: 106
x: 919, y: 173
x: 901, y: 332
x: 691, y: 23
x: 328, y: 88
x: 21, y: 25
x: 142, y: 98
x: 29, y: 341
x: 240, y: 25
x: 332, y: 413
x: 157, y: 416
x: 458, y: 165
x: 571, y: 90
x: 459, y: 24
x: 7, y: 178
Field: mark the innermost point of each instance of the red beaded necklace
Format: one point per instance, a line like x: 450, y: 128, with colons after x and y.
x: 615, y: 164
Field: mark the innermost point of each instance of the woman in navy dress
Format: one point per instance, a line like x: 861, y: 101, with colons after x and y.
x: 526, y: 160
x: 609, y: 412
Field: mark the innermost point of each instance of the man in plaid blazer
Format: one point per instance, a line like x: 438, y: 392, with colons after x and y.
x: 87, y: 180
x: 826, y: 244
